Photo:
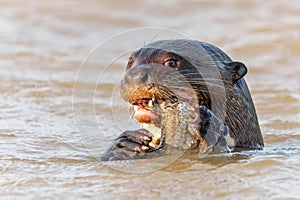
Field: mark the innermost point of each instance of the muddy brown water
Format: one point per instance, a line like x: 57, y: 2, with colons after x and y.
x: 51, y: 131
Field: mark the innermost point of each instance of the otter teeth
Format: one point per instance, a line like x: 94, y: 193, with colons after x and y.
x: 150, y: 104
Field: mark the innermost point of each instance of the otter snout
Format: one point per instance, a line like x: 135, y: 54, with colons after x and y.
x: 137, y: 75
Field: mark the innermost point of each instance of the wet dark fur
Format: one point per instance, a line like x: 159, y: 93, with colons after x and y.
x: 240, y: 114
x: 206, y: 82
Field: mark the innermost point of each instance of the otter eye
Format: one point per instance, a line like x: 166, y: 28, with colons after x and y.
x: 171, y: 63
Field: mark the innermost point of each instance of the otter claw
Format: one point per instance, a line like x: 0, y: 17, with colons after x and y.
x: 129, y: 145
x: 140, y: 136
x: 214, y: 131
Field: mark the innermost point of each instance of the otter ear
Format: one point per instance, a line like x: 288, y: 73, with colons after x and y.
x: 236, y: 70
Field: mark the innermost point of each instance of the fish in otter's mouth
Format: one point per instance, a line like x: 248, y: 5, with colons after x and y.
x: 169, y: 116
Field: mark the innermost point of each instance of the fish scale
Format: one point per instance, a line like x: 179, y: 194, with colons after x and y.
x: 175, y: 125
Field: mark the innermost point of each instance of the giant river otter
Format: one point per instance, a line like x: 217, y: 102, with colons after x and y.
x: 188, y: 96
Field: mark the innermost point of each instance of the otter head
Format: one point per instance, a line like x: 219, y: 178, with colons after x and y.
x: 156, y: 78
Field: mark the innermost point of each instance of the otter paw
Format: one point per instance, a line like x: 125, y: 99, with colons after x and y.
x: 129, y: 145
x: 214, y: 131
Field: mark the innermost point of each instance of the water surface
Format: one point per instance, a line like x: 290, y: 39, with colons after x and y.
x: 46, y: 153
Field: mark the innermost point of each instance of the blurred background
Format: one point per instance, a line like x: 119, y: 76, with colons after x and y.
x: 46, y: 154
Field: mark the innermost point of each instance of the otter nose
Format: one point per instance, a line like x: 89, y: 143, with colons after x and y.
x: 138, y: 75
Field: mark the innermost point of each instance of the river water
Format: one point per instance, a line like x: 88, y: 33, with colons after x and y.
x: 60, y: 64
